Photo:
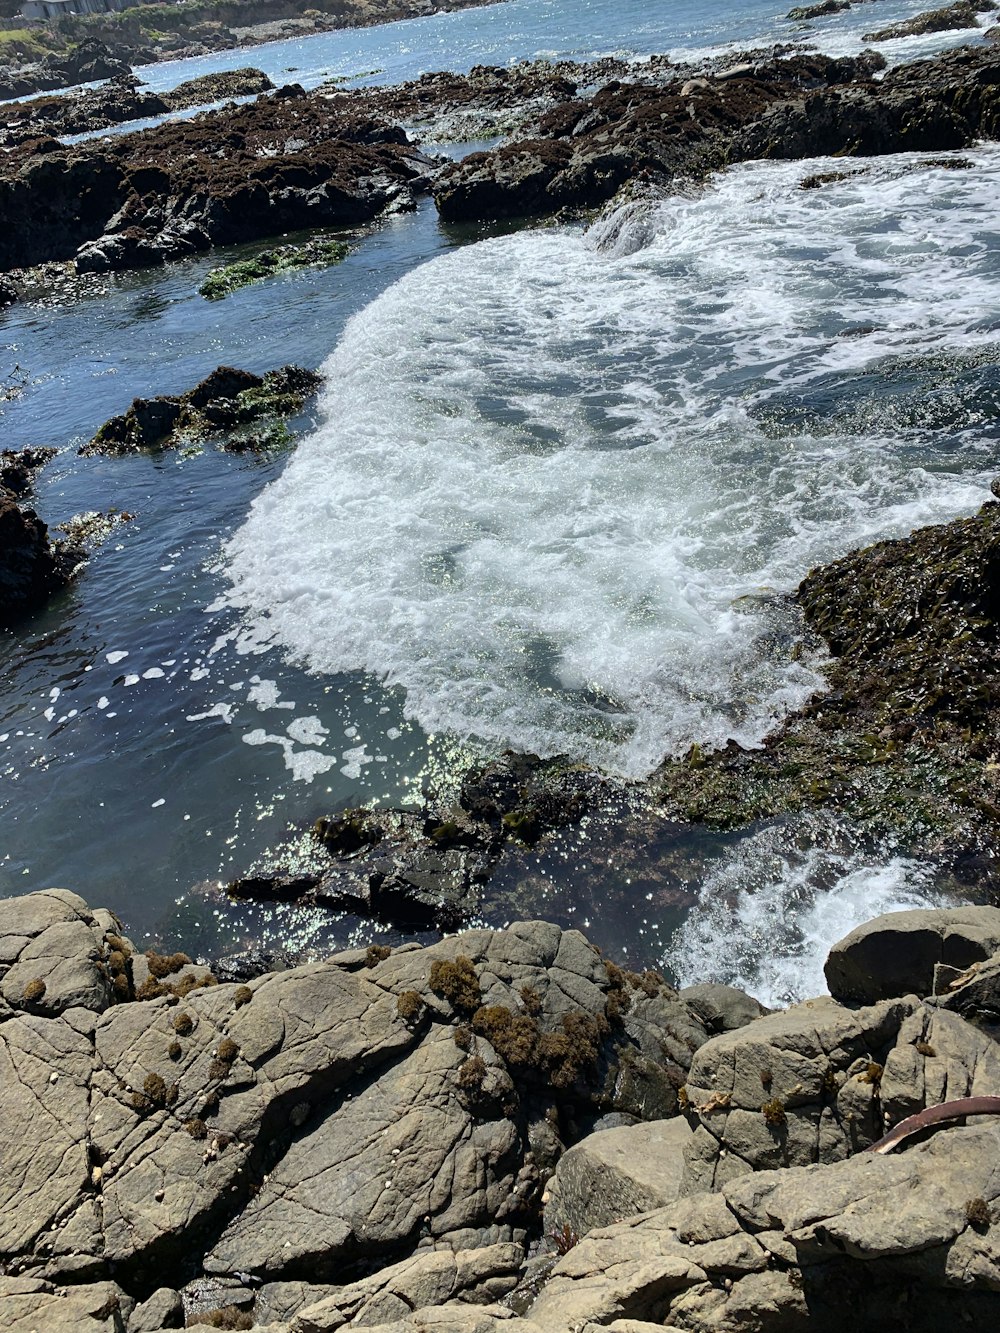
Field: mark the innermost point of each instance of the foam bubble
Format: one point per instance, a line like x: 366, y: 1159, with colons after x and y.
x: 560, y: 479
x: 769, y: 912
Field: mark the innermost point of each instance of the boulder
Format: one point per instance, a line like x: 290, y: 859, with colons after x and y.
x: 896, y: 954
x: 722, y: 1008
x: 50, y: 955
x: 612, y: 1174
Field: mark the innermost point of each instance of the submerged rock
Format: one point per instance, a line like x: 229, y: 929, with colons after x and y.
x: 224, y: 401
x: 426, y: 869
x: 317, y: 253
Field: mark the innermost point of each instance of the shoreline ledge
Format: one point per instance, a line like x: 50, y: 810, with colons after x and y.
x: 500, y: 1131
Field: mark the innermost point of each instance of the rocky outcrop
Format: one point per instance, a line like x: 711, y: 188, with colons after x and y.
x: 961, y: 15
x: 902, y: 741
x: 316, y: 1123
x: 584, y: 151
x: 86, y: 62
x: 905, y: 951
x: 226, y: 401
x: 376, y: 1140
x: 425, y: 869
x: 32, y: 567
x: 283, y: 163
x: 119, y: 101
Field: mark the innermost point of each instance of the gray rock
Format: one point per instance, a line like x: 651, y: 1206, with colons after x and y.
x: 320, y: 1121
x: 164, y: 1309
x: 722, y: 1008
x: 794, y: 1087
x: 896, y: 954
x: 427, y: 1280
x: 618, y: 1172
x: 49, y: 954
x: 31, y: 1306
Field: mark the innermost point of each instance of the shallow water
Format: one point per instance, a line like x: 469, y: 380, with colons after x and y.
x: 546, y: 500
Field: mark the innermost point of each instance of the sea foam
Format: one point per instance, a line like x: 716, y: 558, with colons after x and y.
x: 560, y: 478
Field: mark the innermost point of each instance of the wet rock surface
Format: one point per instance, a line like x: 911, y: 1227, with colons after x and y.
x: 444, y: 1138
x: 587, y: 149
x: 962, y: 15
x: 902, y: 742
x: 230, y: 403
x: 283, y: 163
x: 426, y: 869
x: 32, y: 566
x: 122, y: 99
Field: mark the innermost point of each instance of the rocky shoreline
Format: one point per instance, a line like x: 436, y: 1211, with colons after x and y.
x: 578, y: 136
x: 501, y: 1131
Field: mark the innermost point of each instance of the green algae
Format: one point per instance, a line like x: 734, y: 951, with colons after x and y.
x: 221, y: 282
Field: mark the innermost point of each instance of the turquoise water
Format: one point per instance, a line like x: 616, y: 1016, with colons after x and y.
x: 543, y: 501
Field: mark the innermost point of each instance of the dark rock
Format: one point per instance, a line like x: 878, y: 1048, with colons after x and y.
x: 32, y: 567
x: 902, y: 742
x: 86, y: 62
x: 223, y: 178
x: 426, y: 870
x: 819, y: 11
x: 18, y: 467
x: 586, y: 150
x: 223, y: 401
x: 962, y: 15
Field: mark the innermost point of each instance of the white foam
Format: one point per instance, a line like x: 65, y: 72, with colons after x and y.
x: 769, y: 912
x: 118, y: 656
x: 554, y: 479
x: 304, y: 765
x: 221, y: 710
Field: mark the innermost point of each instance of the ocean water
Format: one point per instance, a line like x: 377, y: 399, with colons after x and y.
x: 549, y: 498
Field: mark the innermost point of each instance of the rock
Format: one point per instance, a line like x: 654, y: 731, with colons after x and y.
x: 794, y: 1087
x: 86, y: 62
x: 896, y: 954
x: 584, y: 151
x: 18, y: 468
x: 818, y: 11
x: 246, y: 82
x: 223, y: 401
x: 975, y: 993
x: 961, y: 15
x: 938, y: 1057
x: 32, y: 567
x: 317, y: 1123
x: 52, y: 938
x: 426, y: 869
x: 901, y: 743
x: 226, y: 177
x: 425, y: 1281
x: 30, y: 1306
x: 613, y: 1174
x: 722, y: 1008
x: 164, y: 1309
